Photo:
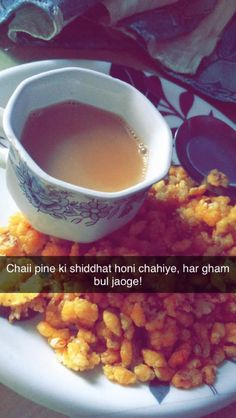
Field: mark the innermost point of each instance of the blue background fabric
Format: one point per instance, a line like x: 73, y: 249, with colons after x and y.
x: 81, y: 25
x: 69, y: 8
x: 66, y: 10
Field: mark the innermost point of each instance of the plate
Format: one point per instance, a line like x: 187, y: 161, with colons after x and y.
x: 29, y: 366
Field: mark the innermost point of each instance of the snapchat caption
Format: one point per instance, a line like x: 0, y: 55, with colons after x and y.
x: 118, y: 274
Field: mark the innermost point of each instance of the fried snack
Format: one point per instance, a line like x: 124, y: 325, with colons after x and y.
x: 15, y: 299
x: 176, y: 338
x: 181, y: 339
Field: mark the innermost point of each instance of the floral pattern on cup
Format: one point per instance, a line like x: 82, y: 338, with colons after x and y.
x: 62, y: 204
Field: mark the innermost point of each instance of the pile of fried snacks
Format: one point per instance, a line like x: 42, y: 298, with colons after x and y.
x: 178, y: 338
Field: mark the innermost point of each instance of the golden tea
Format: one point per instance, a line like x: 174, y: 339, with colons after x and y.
x: 85, y: 146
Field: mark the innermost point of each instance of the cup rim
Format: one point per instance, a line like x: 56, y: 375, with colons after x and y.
x: 53, y: 181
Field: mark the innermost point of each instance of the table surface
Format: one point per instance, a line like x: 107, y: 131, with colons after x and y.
x: 11, y: 404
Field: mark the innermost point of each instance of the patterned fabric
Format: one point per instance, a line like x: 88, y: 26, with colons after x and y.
x: 193, y: 42
x: 42, y: 19
x: 215, y: 74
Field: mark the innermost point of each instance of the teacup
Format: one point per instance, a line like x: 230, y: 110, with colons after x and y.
x: 61, y: 209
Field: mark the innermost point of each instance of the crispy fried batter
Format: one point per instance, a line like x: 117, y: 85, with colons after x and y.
x: 178, y: 338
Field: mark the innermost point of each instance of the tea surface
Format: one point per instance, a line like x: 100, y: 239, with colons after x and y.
x: 85, y: 146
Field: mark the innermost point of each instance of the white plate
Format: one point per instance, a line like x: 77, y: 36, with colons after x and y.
x: 29, y: 366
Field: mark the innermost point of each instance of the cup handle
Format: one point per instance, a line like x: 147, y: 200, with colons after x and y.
x: 3, y: 151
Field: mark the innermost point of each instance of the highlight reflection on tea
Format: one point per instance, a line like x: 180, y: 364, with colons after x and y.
x: 85, y: 146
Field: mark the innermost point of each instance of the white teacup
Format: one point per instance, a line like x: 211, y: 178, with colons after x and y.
x: 61, y: 209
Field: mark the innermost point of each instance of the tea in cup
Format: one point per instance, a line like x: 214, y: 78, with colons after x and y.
x: 85, y: 146
x: 84, y: 149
